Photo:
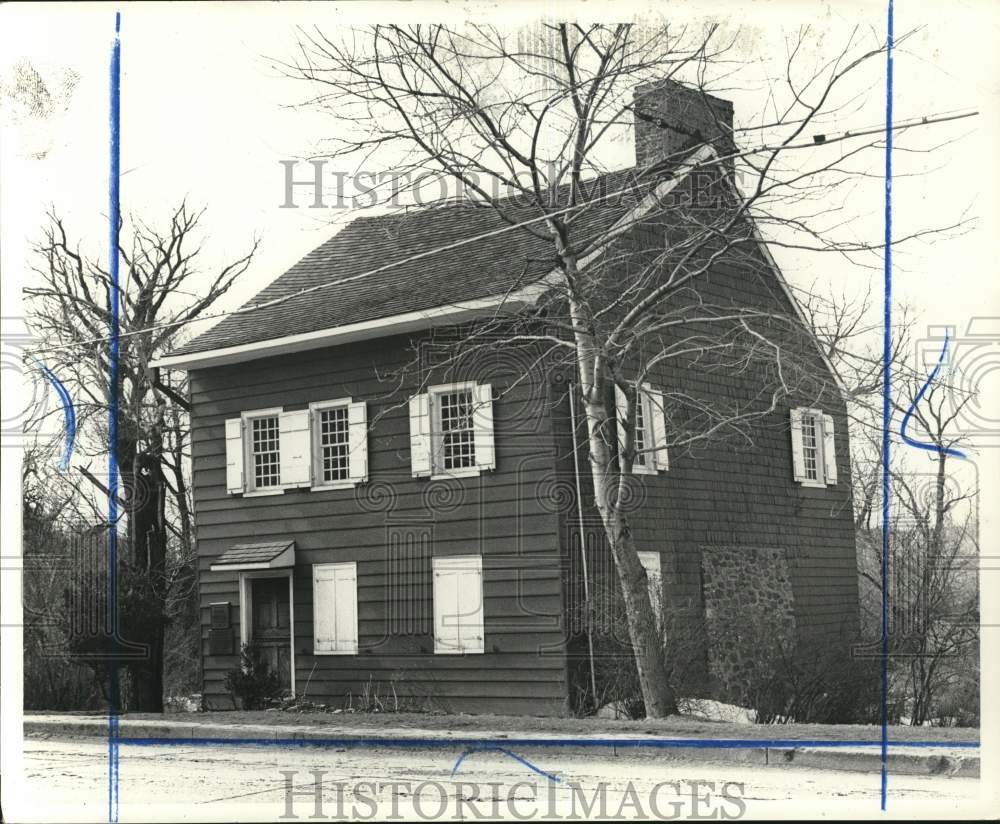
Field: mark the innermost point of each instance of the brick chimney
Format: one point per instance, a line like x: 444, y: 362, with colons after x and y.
x: 670, y: 118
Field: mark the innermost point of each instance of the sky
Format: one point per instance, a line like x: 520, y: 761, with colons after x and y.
x: 207, y: 116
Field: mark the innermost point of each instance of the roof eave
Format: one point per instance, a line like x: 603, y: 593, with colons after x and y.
x: 365, y: 330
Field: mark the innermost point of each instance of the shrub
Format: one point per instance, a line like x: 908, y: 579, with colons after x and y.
x: 254, y: 683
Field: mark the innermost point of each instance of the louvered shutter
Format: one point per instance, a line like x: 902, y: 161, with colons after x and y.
x: 482, y: 421
x: 357, y: 424
x: 658, y: 428
x: 295, y: 439
x: 420, y: 436
x: 829, y: 452
x: 234, y: 455
x: 798, y: 459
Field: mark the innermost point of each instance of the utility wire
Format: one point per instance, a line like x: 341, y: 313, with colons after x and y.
x: 816, y: 140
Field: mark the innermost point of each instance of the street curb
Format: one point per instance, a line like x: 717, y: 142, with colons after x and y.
x: 944, y: 760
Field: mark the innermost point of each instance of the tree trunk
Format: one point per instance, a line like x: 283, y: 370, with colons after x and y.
x: 657, y: 694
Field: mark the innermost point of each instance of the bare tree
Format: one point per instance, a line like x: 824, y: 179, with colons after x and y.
x: 933, y: 545
x: 162, y: 288
x: 520, y: 123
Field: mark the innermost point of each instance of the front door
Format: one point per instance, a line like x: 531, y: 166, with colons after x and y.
x: 272, y: 625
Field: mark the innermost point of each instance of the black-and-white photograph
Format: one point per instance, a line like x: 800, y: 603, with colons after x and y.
x: 460, y: 411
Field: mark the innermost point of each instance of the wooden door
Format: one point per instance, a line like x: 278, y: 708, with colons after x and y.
x: 272, y: 625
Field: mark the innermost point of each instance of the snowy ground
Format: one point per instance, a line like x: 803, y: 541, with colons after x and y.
x: 68, y: 780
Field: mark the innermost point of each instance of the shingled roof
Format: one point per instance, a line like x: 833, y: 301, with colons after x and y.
x: 483, y: 268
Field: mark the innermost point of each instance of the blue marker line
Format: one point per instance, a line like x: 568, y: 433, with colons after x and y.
x: 114, y: 299
x: 886, y: 394
x: 930, y: 447
x: 527, y: 743
x: 69, y: 414
x: 514, y: 755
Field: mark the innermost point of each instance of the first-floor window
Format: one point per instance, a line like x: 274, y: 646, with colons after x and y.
x: 335, y: 608
x: 458, y: 604
x: 265, y: 452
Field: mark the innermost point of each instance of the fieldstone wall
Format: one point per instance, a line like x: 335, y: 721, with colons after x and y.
x: 749, y: 616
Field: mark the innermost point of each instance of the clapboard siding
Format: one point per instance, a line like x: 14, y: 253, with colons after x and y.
x: 496, y: 514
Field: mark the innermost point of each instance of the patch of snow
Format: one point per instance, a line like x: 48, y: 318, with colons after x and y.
x: 716, y: 710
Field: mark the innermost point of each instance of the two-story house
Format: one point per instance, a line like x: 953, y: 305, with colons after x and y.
x: 368, y: 521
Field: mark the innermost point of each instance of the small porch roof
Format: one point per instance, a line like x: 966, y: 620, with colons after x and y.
x: 264, y: 555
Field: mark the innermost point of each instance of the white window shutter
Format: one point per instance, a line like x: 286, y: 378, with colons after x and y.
x: 621, y: 413
x: 661, y: 459
x: 234, y: 455
x: 654, y: 580
x: 829, y: 452
x: 346, y: 608
x: 295, y: 440
x: 324, y: 616
x: 446, y: 624
x: 335, y: 608
x: 482, y: 421
x: 798, y: 459
x: 357, y: 424
x: 420, y: 435
x: 470, y: 608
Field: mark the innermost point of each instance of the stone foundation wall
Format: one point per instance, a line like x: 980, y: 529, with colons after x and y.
x: 749, y: 615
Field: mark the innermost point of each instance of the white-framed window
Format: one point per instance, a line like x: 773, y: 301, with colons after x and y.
x: 650, y: 429
x: 458, y: 604
x: 335, y: 608
x: 339, y: 443
x: 270, y: 450
x: 814, y: 457
x: 654, y: 581
x: 265, y: 452
x: 451, y: 430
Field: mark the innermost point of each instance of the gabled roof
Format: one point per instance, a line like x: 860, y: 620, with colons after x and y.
x: 395, y: 273
x: 497, y: 264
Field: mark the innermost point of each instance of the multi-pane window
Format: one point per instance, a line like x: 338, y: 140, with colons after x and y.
x: 265, y: 452
x: 640, y: 430
x: 649, y: 435
x: 811, y: 446
x: 455, y: 430
x: 814, y: 455
x: 451, y: 430
x: 334, y: 444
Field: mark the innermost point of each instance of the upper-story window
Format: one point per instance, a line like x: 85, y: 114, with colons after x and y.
x: 333, y: 443
x: 339, y: 443
x: 814, y: 458
x: 265, y: 452
x: 650, y: 438
x: 271, y: 450
x: 451, y: 430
